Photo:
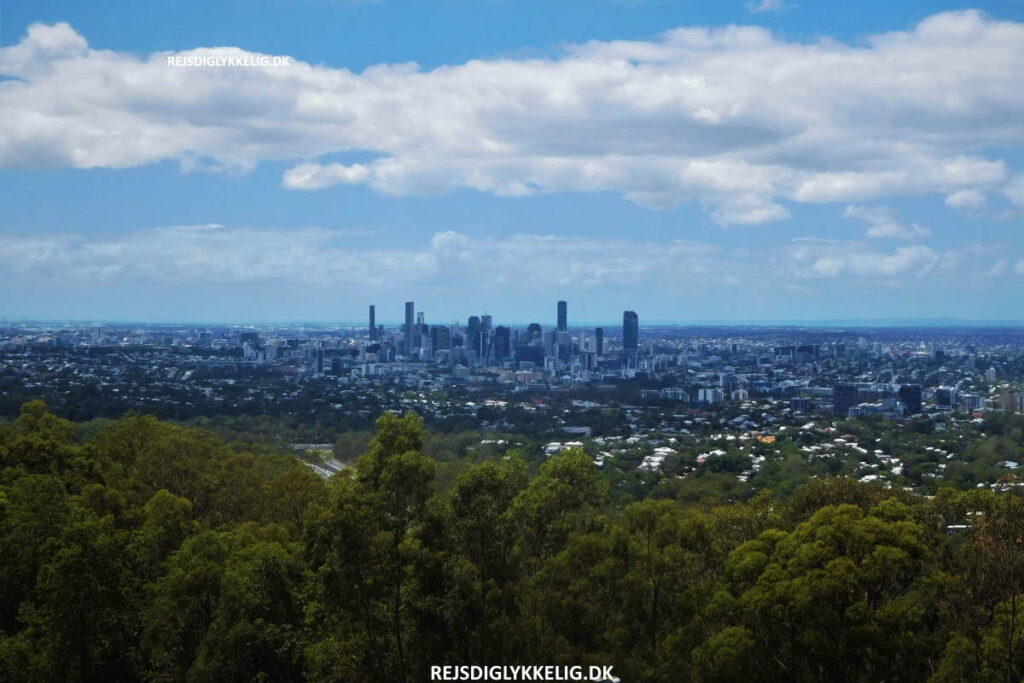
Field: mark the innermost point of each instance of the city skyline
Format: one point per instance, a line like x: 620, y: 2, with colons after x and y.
x: 697, y: 163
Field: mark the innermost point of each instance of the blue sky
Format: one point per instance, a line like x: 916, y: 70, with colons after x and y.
x: 857, y: 162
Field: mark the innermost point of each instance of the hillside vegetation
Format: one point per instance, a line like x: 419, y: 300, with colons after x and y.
x: 145, y: 551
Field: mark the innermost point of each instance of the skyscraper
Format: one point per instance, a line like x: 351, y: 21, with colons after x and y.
x: 599, y: 339
x: 440, y: 337
x: 563, y: 342
x: 410, y: 326
x: 630, y: 331
x: 473, y: 333
x: 373, y: 323
x: 945, y: 397
x: 563, y: 316
x: 844, y: 397
x: 910, y: 397
x: 502, y: 343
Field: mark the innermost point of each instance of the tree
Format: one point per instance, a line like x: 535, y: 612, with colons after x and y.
x: 844, y: 597
x: 183, y: 605
x: 481, y: 568
x: 361, y: 545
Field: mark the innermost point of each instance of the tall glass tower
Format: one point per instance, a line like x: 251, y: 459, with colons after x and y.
x: 630, y: 330
x: 410, y: 327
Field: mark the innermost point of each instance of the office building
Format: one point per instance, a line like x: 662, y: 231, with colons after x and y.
x: 563, y: 343
x: 563, y: 316
x: 630, y: 331
x: 945, y: 397
x: 410, y: 327
x: 473, y: 333
x: 844, y: 397
x: 440, y: 337
x: 502, y: 343
x: 910, y: 396
x: 599, y: 340
x: 373, y: 323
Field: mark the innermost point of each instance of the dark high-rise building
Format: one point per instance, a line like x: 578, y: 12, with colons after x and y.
x: 502, y: 344
x: 563, y: 316
x: 473, y: 333
x: 421, y: 332
x: 844, y: 397
x: 945, y: 397
x: 563, y: 346
x: 410, y: 326
x: 599, y: 340
x: 440, y: 337
x: 373, y: 323
x: 533, y: 332
x: 532, y: 354
x: 910, y: 397
x: 800, y: 404
x: 630, y: 330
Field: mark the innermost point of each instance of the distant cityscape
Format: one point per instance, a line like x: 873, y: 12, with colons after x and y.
x: 482, y: 343
x: 893, y: 372
x: 651, y: 405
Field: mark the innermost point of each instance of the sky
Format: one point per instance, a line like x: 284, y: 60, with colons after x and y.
x: 297, y: 160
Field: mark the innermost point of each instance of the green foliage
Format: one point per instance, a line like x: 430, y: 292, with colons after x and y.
x: 136, y: 550
x: 115, y: 550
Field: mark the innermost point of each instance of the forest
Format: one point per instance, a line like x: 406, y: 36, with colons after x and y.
x: 146, y: 551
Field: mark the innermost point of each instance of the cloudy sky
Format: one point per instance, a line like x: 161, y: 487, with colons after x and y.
x: 746, y: 161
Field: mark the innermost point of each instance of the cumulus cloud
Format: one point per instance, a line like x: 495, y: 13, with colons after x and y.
x: 966, y: 199
x: 817, y: 259
x: 1015, y: 190
x: 215, y: 254
x: 316, y: 176
x: 734, y: 118
x: 882, y: 223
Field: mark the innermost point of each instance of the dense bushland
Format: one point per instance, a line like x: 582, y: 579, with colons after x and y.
x: 151, y: 552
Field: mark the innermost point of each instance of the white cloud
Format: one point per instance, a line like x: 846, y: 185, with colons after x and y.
x: 883, y: 224
x: 1015, y: 190
x: 818, y: 259
x: 966, y: 199
x: 734, y: 118
x: 765, y: 6
x: 316, y: 176
x: 215, y: 254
